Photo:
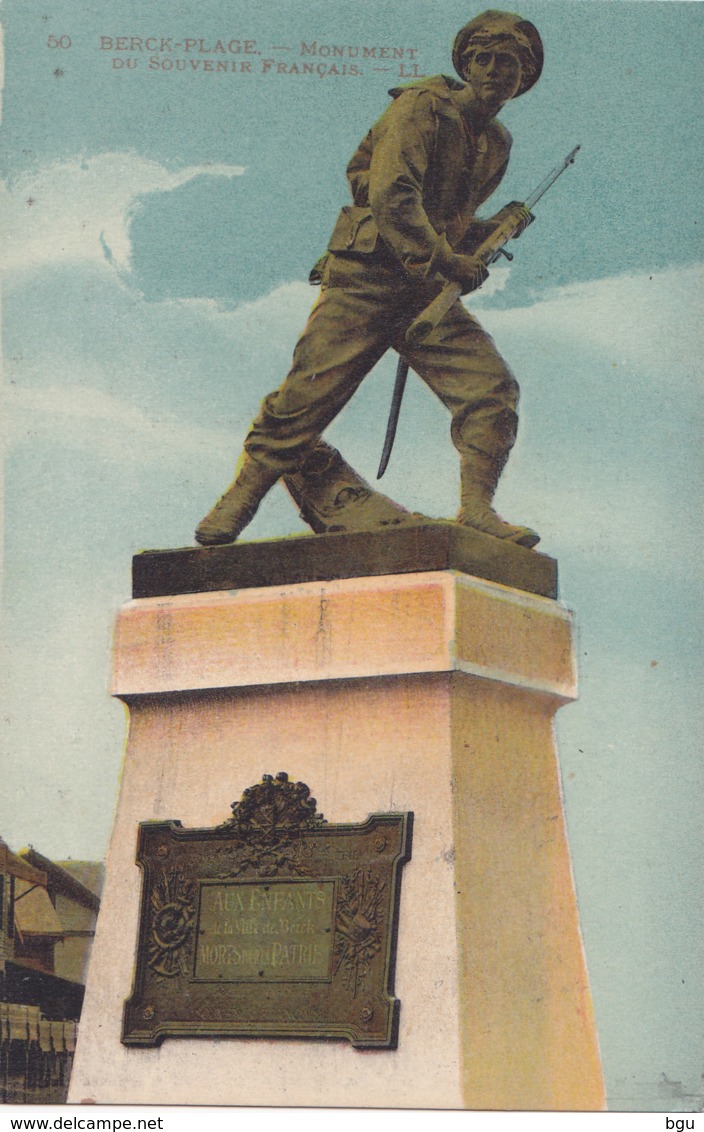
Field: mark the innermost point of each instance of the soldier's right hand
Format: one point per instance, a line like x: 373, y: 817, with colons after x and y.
x: 467, y: 270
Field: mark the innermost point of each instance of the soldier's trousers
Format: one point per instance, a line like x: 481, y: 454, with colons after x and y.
x: 359, y: 315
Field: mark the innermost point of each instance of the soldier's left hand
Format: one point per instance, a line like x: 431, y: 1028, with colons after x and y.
x: 467, y: 270
x: 518, y: 215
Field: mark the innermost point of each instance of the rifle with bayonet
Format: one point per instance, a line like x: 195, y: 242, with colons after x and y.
x: 489, y: 251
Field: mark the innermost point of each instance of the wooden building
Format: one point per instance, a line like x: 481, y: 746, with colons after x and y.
x: 48, y: 912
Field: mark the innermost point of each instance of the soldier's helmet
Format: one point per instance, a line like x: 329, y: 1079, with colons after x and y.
x: 493, y: 29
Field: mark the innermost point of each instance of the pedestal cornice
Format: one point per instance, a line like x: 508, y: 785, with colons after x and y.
x: 434, y: 621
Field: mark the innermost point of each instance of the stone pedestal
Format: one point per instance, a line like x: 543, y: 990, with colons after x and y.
x: 434, y: 692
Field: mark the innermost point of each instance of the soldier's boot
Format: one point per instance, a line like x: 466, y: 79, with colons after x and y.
x: 238, y: 506
x: 333, y: 497
x: 479, y: 477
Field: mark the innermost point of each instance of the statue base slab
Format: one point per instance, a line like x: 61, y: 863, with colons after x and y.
x: 427, y: 545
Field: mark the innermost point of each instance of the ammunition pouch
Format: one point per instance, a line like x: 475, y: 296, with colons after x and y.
x: 355, y: 232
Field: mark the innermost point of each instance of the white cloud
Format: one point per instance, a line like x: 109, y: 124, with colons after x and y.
x: 648, y: 320
x: 631, y: 527
x: 72, y: 211
x: 80, y: 417
x: 286, y: 306
x: 641, y: 320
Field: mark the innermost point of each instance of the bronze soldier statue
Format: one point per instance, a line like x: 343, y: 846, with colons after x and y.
x: 417, y: 180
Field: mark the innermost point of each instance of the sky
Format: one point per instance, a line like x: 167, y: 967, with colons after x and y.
x: 159, y: 228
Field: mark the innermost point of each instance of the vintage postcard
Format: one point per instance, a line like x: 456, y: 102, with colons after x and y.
x: 173, y: 180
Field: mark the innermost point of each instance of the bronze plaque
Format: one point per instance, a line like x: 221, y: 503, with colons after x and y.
x: 274, y: 924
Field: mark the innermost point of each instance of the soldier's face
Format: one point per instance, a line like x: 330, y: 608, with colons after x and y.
x: 494, y: 77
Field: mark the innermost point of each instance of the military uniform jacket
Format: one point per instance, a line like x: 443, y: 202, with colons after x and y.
x: 417, y: 180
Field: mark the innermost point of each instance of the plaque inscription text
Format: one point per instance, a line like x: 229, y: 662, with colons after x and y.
x: 280, y: 930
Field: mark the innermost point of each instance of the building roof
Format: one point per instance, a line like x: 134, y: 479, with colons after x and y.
x: 20, y: 866
x: 35, y: 914
x: 89, y: 873
x: 61, y: 880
